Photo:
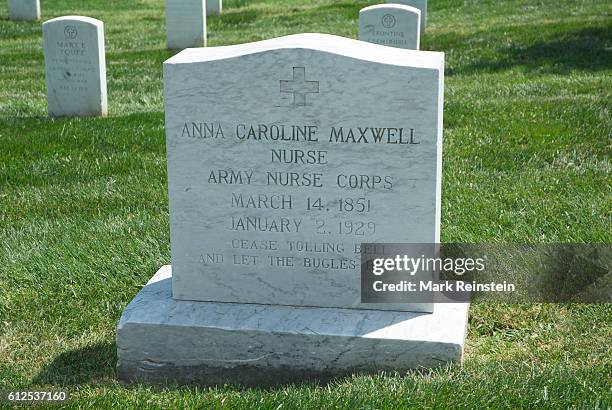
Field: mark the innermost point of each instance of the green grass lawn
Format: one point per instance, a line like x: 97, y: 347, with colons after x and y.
x: 527, y: 138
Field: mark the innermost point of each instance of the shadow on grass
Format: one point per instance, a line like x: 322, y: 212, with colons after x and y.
x: 19, y: 29
x: 44, y: 141
x: 329, y: 13
x: 586, y: 49
x: 241, y: 17
x: 227, y: 5
x: 154, y: 56
x: 299, y: 18
x: 80, y: 366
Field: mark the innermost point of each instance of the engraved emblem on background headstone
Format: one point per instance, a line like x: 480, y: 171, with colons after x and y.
x: 299, y: 87
x: 70, y: 32
x: 388, y: 20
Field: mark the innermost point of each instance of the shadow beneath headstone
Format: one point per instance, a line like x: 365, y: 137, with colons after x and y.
x: 80, y: 366
x: 587, y: 49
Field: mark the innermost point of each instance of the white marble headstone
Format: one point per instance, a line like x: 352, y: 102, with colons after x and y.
x: 186, y: 23
x: 213, y: 7
x: 419, y: 4
x: 75, y: 66
x: 392, y: 25
x: 285, y: 155
x: 24, y: 9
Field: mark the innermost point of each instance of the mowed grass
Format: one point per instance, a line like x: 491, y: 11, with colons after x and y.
x: 527, y: 138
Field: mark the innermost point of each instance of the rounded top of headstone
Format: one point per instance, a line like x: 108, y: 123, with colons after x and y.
x: 387, y: 6
x: 82, y: 19
x: 326, y: 43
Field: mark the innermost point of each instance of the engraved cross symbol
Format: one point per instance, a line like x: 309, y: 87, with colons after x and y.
x: 299, y: 87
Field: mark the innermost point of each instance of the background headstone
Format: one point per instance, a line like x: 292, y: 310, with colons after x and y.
x: 419, y: 4
x: 213, y: 7
x: 75, y: 66
x: 24, y: 9
x: 393, y: 25
x: 186, y: 23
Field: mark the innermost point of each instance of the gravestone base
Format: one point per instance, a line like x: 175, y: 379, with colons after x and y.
x: 161, y: 339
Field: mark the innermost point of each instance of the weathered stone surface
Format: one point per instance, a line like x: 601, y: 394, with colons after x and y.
x: 419, y: 4
x: 393, y: 25
x: 75, y: 66
x: 160, y: 338
x: 24, y: 9
x: 367, y: 121
x: 186, y: 23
